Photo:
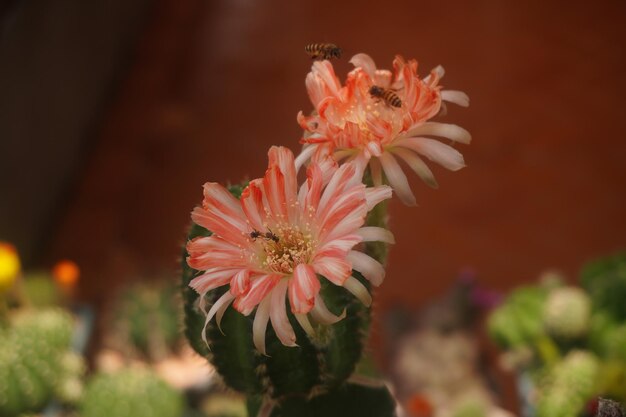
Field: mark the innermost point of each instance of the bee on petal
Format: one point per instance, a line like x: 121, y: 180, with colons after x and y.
x: 322, y: 51
x: 387, y: 95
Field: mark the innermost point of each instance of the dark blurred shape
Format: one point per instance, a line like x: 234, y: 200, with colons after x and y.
x: 59, y: 65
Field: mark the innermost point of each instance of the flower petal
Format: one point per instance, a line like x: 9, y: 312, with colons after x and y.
x: 365, y: 62
x: 259, y: 288
x: 374, y: 195
x: 314, y: 189
x: 303, y: 288
x: 303, y: 319
x: 221, y: 213
x: 338, y: 247
x: 305, y: 154
x: 321, y: 314
x: 278, y: 315
x: 444, y: 130
x: 211, y: 279
x: 274, y: 187
x: 259, y: 326
x: 417, y: 165
x: 369, y: 267
x: 283, y: 158
x: 438, y: 152
x: 213, y: 252
x: 218, y: 308
x: 252, y: 204
x: 240, y: 283
x: 397, y: 179
x: 457, y: 97
x: 340, y: 180
x: 358, y: 290
x: 376, y: 234
x: 336, y: 270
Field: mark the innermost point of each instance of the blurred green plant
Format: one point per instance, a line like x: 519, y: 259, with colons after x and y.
x: 145, y: 320
x: 565, y: 389
x: 566, y: 334
x: 605, y: 281
x: 35, y: 363
x: 130, y: 392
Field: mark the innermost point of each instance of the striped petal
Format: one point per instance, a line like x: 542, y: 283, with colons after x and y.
x: 259, y: 288
x: 283, y: 158
x: 305, y: 155
x: 397, y: 179
x: 278, y: 315
x: 336, y: 270
x: 376, y: 234
x: 274, y: 187
x: 259, y: 326
x: 358, y: 290
x: 365, y: 62
x: 369, y: 267
x: 456, y: 97
x: 375, y: 195
x: 217, y: 309
x: 321, y: 314
x: 240, y: 283
x: 221, y: 213
x: 303, y: 319
x: 438, y: 152
x: 417, y: 165
x: 444, y: 130
x: 212, y: 279
x: 252, y: 204
x: 303, y: 288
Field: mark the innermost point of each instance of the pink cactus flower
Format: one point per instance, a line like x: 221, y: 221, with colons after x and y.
x: 277, y: 241
x: 350, y: 122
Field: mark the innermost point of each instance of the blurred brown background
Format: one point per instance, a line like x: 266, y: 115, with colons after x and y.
x: 114, y: 113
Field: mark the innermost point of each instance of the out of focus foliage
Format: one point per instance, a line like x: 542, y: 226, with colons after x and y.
x: 36, y: 365
x: 571, y: 340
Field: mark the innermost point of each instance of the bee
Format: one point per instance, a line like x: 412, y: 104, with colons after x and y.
x: 321, y: 51
x: 271, y: 236
x: 255, y: 234
x: 387, y: 95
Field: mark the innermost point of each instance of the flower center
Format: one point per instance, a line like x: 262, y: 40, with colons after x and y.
x: 290, y: 248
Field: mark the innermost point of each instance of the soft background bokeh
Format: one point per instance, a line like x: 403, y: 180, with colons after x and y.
x: 114, y: 113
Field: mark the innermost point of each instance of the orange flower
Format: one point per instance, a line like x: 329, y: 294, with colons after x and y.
x: 276, y: 241
x: 350, y: 122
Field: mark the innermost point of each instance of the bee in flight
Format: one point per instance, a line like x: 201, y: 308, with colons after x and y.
x: 387, y: 95
x: 321, y: 51
x: 255, y: 234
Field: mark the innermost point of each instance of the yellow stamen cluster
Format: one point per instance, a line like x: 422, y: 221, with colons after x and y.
x: 292, y: 248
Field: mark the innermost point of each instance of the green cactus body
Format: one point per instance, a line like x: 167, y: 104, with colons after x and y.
x: 145, y: 320
x: 566, y: 388
x: 30, y: 356
x: 131, y: 392
x: 605, y: 281
x: 318, y: 364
